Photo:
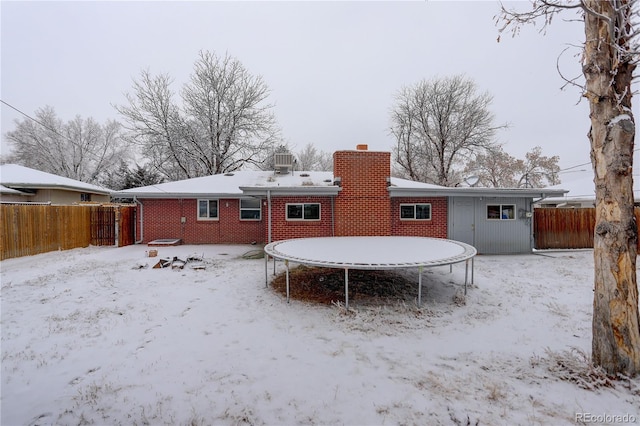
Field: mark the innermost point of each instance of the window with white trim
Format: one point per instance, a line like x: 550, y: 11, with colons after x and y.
x: 303, y: 211
x: 207, y: 209
x: 415, y: 211
x: 250, y: 209
x: 501, y: 211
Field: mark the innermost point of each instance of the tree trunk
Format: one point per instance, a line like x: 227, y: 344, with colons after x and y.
x: 608, y: 71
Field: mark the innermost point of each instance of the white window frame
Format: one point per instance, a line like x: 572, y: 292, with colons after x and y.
x: 303, y: 219
x: 502, y: 207
x: 414, y: 205
x: 258, y: 209
x: 208, y: 200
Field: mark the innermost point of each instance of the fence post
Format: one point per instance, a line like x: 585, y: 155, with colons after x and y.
x: 117, y: 226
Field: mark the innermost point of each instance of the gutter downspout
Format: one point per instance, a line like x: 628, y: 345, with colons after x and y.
x: 141, y: 220
x: 269, y: 219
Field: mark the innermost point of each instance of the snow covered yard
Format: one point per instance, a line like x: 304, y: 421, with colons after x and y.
x: 88, y: 338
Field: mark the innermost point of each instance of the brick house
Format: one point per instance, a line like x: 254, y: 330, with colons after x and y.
x: 359, y: 198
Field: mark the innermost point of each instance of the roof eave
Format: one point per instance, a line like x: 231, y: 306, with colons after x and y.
x: 172, y: 195
x: 54, y: 186
x: 476, y: 192
x: 330, y: 190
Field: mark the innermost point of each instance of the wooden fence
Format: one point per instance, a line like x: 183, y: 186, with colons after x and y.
x: 555, y: 228
x: 32, y: 229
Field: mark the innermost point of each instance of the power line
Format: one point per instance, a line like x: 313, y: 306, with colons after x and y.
x: 586, y: 164
x: 36, y: 121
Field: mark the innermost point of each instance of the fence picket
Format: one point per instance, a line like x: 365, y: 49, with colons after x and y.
x: 558, y: 228
x: 32, y: 229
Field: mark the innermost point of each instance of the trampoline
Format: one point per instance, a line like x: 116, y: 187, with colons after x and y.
x: 371, y: 253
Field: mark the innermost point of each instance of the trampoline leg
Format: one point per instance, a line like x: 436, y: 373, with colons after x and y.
x: 472, y: 268
x: 266, y: 270
x: 466, y: 273
x: 346, y: 288
x: 286, y: 263
x: 419, y: 286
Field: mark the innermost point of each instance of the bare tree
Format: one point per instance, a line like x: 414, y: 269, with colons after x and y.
x: 609, y: 62
x: 80, y: 149
x: 497, y: 169
x: 436, y: 124
x: 221, y: 124
x: 310, y: 158
x: 155, y: 125
x: 539, y: 170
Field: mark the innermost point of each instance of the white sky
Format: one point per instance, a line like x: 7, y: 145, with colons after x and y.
x: 333, y: 67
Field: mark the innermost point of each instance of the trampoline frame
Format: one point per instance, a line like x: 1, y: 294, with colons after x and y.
x: 467, y: 255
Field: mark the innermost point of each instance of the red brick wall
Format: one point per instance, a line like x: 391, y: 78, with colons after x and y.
x: 436, y: 227
x: 162, y: 220
x: 363, y: 207
x: 283, y: 229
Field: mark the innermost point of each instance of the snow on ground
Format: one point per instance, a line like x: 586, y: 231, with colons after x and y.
x: 89, y: 338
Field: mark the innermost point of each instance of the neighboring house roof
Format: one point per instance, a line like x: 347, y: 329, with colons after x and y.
x: 17, y: 177
x: 10, y: 191
x: 582, y: 190
x: 256, y: 183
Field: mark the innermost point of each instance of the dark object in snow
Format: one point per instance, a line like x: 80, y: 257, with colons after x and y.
x: 141, y: 265
x: 194, y: 261
x: 326, y: 285
x: 177, y: 263
x: 195, y: 258
x: 162, y: 263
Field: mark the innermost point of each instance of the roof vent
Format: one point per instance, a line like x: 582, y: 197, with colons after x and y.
x: 283, y: 162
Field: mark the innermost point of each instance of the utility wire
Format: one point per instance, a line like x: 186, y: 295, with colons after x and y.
x: 36, y: 121
x: 586, y: 164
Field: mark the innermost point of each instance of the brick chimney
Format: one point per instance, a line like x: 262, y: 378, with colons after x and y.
x: 363, y: 207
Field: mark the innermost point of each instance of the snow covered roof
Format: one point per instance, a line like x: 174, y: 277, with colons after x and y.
x: 405, y: 188
x: 256, y: 183
x: 16, y: 177
x: 408, y: 184
x: 581, y: 188
x: 237, y: 184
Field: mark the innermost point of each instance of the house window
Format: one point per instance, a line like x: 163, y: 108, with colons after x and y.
x: 85, y: 196
x: 250, y: 209
x: 501, y: 211
x: 309, y: 211
x: 415, y: 211
x: 207, y: 209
